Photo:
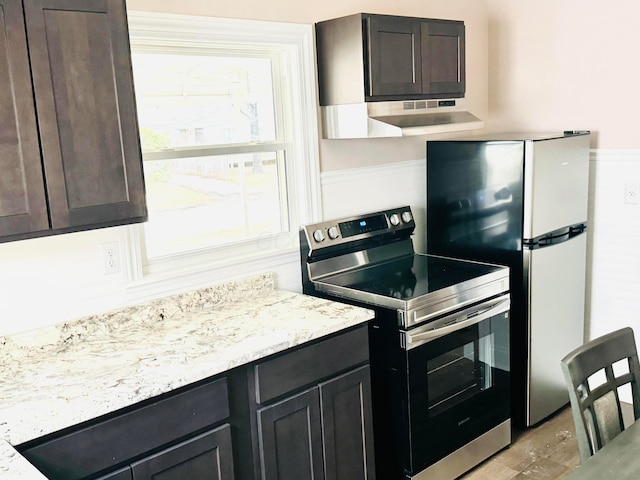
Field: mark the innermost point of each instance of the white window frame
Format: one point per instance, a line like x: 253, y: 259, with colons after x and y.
x: 150, y: 278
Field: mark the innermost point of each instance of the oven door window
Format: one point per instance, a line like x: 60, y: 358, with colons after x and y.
x: 458, y: 388
x: 460, y: 373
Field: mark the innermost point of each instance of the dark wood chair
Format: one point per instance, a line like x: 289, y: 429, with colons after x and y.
x: 597, y: 413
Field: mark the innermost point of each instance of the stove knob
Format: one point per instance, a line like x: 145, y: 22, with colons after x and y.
x: 318, y: 236
x: 407, y: 217
x: 333, y: 232
x: 394, y: 219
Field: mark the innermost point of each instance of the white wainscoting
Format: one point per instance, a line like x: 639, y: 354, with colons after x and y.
x: 364, y: 190
x: 613, y: 267
x: 613, y: 255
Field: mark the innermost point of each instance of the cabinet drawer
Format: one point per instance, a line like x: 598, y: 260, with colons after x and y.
x: 109, y: 443
x: 310, y: 365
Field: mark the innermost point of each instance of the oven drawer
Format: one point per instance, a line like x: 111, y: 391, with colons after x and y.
x: 311, y: 364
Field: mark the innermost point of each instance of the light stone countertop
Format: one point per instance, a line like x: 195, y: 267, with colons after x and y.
x: 63, y: 375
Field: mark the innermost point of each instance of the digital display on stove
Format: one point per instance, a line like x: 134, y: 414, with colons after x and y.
x: 363, y: 225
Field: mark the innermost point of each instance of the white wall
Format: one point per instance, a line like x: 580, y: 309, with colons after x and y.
x: 48, y: 280
x: 360, y: 190
x: 614, y: 269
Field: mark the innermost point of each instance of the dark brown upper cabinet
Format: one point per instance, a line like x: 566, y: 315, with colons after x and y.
x: 69, y: 145
x: 367, y: 57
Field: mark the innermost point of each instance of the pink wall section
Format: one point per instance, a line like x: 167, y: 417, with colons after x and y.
x: 566, y: 64
x: 551, y: 64
x: 309, y: 11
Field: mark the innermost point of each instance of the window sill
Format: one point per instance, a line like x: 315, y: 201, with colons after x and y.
x: 187, y: 272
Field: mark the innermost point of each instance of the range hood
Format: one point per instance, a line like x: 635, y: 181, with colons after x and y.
x: 397, y: 118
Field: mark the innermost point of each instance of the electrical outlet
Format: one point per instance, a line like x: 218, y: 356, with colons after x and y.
x: 111, y: 257
x: 632, y: 193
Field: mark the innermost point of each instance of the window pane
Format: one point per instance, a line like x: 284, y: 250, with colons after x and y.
x: 187, y: 100
x: 206, y: 201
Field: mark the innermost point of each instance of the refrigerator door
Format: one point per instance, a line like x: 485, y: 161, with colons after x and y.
x: 556, y: 184
x: 474, y: 198
x: 556, y: 286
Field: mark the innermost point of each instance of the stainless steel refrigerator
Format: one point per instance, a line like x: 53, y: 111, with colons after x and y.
x: 520, y: 200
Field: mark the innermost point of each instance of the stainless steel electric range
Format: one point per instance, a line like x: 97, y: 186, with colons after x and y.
x: 439, y: 342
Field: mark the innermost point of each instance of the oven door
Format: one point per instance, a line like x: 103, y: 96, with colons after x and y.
x: 458, y: 380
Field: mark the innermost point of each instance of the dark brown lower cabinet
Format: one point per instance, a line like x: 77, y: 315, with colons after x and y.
x: 346, y: 425
x: 303, y: 414
x: 163, y: 438
x: 322, y: 433
x: 123, y: 474
x: 291, y: 438
x: 205, y: 457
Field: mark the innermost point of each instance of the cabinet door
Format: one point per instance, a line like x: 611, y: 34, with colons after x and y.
x: 290, y: 438
x: 205, y: 457
x: 443, y: 59
x: 394, y: 56
x: 83, y: 87
x: 23, y: 207
x: 347, y: 426
x: 124, y: 474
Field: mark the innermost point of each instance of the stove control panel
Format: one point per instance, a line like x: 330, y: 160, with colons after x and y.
x: 341, y: 231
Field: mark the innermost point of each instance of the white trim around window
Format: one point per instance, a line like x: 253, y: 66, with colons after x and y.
x: 173, y: 274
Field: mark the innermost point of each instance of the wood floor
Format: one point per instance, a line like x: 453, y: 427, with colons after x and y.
x: 548, y: 451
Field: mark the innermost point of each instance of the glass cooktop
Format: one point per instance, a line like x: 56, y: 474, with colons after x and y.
x: 410, y: 278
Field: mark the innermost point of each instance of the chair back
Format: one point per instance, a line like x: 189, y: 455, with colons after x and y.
x: 596, y: 409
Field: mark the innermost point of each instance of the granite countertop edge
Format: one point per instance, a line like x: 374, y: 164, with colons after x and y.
x: 81, y: 370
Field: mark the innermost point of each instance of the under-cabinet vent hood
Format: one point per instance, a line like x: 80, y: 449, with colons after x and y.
x: 397, y: 118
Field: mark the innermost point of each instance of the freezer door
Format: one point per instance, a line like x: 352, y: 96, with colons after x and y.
x: 474, y: 198
x: 556, y: 184
x: 556, y: 277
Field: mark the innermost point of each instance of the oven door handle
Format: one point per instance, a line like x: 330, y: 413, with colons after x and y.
x: 414, y: 339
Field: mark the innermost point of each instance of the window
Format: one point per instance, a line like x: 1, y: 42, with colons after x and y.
x: 227, y: 118
x: 189, y: 105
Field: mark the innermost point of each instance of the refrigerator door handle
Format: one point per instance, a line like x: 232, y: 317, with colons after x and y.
x: 578, y: 229
x: 553, y: 238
